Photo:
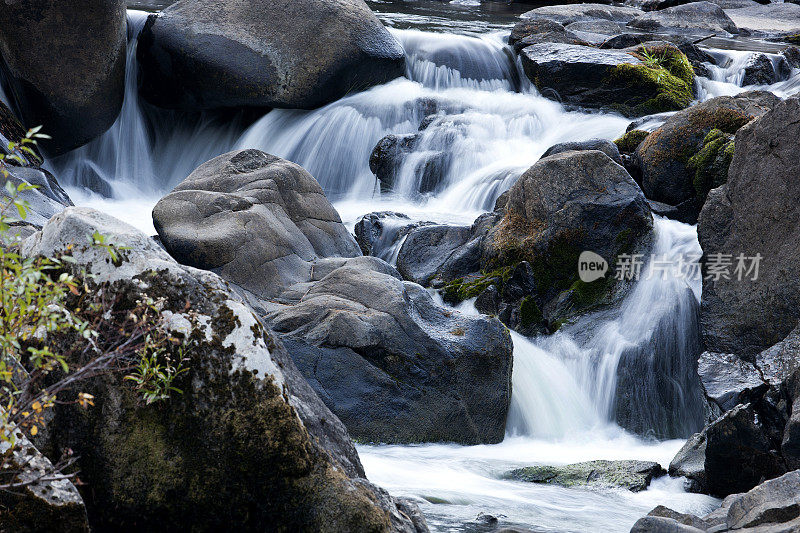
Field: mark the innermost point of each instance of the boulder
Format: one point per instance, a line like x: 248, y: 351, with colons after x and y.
x: 393, y: 365
x: 436, y: 250
x: 389, y: 156
x: 771, y: 507
x: 755, y: 213
x: 665, y: 153
x: 611, y: 79
x: 204, y: 54
x: 567, y: 14
x: 702, y: 17
x: 381, y: 234
x: 792, y: 56
x: 760, y: 70
x: 773, y: 18
x: 729, y: 380
x: 604, y: 145
x: 244, y: 444
x: 75, y: 94
x: 690, y: 462
x: 11, y: 130
x: 257, y: 220
x: 632, y: 475
x: 536, y: 31
x: 42, y: 504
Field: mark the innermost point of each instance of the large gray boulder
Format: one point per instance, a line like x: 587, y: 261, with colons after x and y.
x: 664, y: 155
x: 42, y: 503
x: 756, y: 212
x: 257, y: 220
x: 634, y: 476
x: 65, y: 66
x: 773, y: 18
x: 246, y: 443
x: 430, y: 251
x: 568, y: 14
x: 695, y: 16
x: 729, y: 380
x: 393, y: 365
x: 205, y: 54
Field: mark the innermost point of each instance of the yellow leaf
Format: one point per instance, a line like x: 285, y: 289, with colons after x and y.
x: 37, y: 406
x: 34, y: 431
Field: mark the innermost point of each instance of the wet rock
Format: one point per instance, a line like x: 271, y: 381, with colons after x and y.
x: 203, y: 54
x: 603, y: 145
x: 430, y: 250
x: 387, y: 157
x: 625, y: 40
x: 664, y: 155
x: 760, y: 199
x: 393, y: 365
x: 760, y: 70
x: 12, y: 130
x: 690, y: 462
x: 695, y: 16
x: 536, y: 31
x: 610, y: 79
x: 773, y: 18
x: 632, y: 475
x: 77, y: 93
x: 41, y: 505
x: 241, y: 443
x: 728, y: 380
x: 792, y: 55
x: 379, y: 234
x: 257, y: 220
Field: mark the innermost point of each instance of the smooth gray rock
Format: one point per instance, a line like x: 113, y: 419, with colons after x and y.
x: 632, y: 475
x: 567, y: 14
x: 257, y: 220
x: 690, y: 462
x: 65, y: 67
x: 695, y: 16
x: 205, y: 54
x: 393, y: 365
x: 774, y: 501
x: 430, y: 250
x: 774, y: 18
x: 603, y: 145
x: 756, y: 212
x: 44, y: 201
x: 541, y: 30
x: 728, y: 380
x: 379, y: 234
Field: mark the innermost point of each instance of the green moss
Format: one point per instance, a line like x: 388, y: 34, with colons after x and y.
x: 631, y: 140
x: 590, y: 294
x: 792, y: 38
x: 710, y: 165
x: 465, y: 288
x: 529, y: 312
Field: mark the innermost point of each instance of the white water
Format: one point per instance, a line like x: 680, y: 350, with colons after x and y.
x: 488, y: 127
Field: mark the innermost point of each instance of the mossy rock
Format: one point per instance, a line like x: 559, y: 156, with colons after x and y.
x: 710, y: 165
x: 631, y: 140
x: 632, y: 475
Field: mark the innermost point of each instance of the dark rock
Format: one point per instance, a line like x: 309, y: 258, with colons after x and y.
x: 387, y: 157
x: 702, y: 16
x: 610, y: 79
x: 379, y: 234
x: 625, y: 40
x: 596, y: 27
x: 690, y: 462
x: 536, y: 31
x: 632, y: 475
x: 75, y: 94
x: 203, y: 54
x: 393, y: 365
x: 428, y: 249
x: 729, y: 381
x: 234, y: 448
x: 41, y: 505
x: 257, y: 220
x: 756, y: 212
x: 665, y: 153
x: 47, y: 199
x: 759, y: 70
x: 11, y: 130
x: 603, y: 145
x: 792, y: 55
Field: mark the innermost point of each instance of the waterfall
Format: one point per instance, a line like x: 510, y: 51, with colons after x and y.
x: 635, y: 364
x: 727, y: 76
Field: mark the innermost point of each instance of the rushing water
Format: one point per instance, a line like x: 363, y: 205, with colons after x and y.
x: 482, y: 125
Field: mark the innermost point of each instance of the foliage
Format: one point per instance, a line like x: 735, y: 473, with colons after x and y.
x: 44, y: 301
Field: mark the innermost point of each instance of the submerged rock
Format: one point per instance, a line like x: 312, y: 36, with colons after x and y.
x: 257, y: 220
x: 611, y: 79
x: 632, y: 475
x: 380, y: 234
x: 246, y: 443
x: 76, y: 93
x: 204, y: 54
x: 760, y: 70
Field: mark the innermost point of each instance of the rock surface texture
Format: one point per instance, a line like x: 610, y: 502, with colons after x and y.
x: 204, y: 54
